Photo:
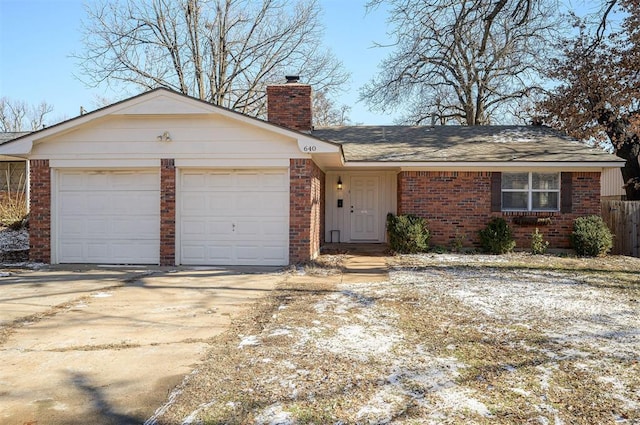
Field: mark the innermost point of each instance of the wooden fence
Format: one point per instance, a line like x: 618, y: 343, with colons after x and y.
x: 623, y: 218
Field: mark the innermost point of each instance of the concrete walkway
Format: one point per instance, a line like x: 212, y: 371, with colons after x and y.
x: 363, y: 262
x: 362, y: 269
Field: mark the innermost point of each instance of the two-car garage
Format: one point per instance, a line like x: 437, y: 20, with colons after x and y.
x: 223, y: 217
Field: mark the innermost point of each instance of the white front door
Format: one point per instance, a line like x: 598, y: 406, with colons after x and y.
x: 234, y: 217
x: 108, y: 216
x: 364, y: 208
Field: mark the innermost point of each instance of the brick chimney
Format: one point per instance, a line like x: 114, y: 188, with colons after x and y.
x: 289, y: 104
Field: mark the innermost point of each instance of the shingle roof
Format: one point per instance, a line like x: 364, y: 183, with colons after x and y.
x: 459, y: 144
x: 5, y: 137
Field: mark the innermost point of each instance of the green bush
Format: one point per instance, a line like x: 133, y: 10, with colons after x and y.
x: 408, y: 234
x: 591, y: 237
x: 497, y: 237
x: 538, y: 244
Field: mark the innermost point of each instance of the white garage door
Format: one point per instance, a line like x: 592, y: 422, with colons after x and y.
x: 234, y: 217
x: 110, y: 217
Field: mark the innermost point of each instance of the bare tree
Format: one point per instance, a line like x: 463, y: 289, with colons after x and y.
x: 326, y: 113
x: 16, y: 115
x: 221, y: 51
x: 461, y: 61
x: 598, y: 95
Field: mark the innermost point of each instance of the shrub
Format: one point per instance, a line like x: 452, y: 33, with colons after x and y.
x: 591, y: 236
x: 538, y: 244
x: 13, y: 206
x: 497, y: 237
x: 457, y: 242
x: 408, y: 234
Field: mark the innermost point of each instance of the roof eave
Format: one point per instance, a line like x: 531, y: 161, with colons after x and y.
x: 487, y: 165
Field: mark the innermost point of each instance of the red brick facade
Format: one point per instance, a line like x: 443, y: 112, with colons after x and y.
x: 459, y: 203
x: 167, y: 212
x: 306, y: 210
x: 289, y: 105
x: 40, y: 211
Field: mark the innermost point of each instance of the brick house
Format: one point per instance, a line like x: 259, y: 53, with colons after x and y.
x: 162, y: 178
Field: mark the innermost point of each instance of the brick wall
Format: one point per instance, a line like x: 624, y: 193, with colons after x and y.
x: 167, y: 212
x: 306, y: 210
x: 289, y: 105
x: 460, y: 203
x: 40, y: 211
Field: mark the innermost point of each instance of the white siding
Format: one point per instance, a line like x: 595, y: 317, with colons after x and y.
x: 611, y: 183
x: 192, y: 136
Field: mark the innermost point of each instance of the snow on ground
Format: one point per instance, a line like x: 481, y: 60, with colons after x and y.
x: 573, y: 311
x: 586, y: 321
x: 14, y: 240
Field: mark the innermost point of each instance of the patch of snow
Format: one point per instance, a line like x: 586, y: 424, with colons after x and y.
x: 101, y: 295
x: 383, y: 406
x: 173, y: 396
x: 14, y: 240
x: 192, y: 419
x: 249, y: 341
x: 521, y: 392
x: 458, y: 399
x: 359, y: 342
x: 280, y: 332
x: 274, y: 415
x: 5, y: 274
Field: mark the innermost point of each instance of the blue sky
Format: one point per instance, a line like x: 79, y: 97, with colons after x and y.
x: 37, y: 38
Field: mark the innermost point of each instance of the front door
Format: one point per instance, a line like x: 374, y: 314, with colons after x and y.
x: 364, y: 208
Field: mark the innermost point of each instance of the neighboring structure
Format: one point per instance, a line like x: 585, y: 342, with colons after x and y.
x: 612, y: 185
x: 162, y: 178
x: 13, y: 172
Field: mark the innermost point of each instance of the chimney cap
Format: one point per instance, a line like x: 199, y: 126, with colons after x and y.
x: 292, y: 78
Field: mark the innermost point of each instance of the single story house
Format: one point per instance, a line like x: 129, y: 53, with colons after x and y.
x: 163, y: 178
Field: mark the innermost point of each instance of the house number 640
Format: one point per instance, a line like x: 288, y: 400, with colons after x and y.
x: 310, y: 148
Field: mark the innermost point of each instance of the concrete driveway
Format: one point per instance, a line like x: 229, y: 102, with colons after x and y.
x: 106, y: 345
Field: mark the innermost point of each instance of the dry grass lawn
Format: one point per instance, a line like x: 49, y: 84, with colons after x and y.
x: 451, y: 339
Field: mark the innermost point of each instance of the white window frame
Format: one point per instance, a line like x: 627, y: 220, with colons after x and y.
x: 530, y: 191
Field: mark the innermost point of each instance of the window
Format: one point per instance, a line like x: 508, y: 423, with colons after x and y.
x: 530, y: 191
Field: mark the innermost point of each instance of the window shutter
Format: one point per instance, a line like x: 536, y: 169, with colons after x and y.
x: 566, y: 193
x: 496, y: 192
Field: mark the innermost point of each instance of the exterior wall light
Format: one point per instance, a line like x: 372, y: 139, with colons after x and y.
x: 339, y: 183
x: 164, y: 137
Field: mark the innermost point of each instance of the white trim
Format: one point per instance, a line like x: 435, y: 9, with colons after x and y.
x: 530, y: 191
x: 53, y: 215
x: 177, y: 223
x: 104, y: 163
x: 232, y: 163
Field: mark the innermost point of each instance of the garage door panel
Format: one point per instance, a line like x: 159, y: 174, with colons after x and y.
x: 218, y: 204
x: 275, y: 253
x: 275, y: 228
x: 246, y: 214
x: 110, y: 217
x: 274, y: 180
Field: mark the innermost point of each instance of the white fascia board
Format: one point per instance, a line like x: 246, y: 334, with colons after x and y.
x: 485, y: 166
x: 104, y: 163
x: 19, y: 147
x: 232, y: 163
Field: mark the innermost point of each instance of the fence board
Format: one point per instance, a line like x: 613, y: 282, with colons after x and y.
x: 623, y: 219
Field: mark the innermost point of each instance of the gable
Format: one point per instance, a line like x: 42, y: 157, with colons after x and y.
x: 142, y: 136
x: 164, y: 124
